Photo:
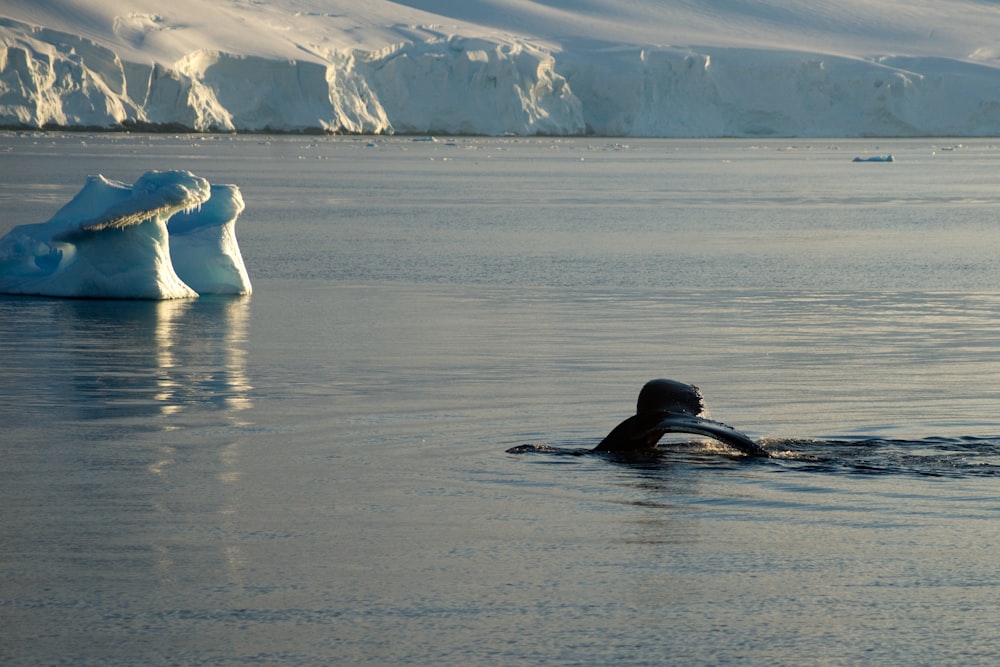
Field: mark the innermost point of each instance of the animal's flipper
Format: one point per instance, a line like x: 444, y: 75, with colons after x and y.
x: 643, y: 431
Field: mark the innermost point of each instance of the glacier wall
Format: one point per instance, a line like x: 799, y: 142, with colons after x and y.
x: 739, y: 93
x: 460, y: 85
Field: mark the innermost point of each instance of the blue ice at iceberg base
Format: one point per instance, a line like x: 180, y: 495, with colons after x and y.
x: 170, y: 235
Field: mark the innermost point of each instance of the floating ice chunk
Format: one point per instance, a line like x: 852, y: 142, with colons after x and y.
x: 111, y: 241
x: 203, y: 244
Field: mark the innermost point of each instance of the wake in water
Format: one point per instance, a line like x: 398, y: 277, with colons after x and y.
x: 932, y: 456
x: 670, y: 407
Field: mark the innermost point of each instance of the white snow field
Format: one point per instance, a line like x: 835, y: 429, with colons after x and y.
x: 681, y: 68
x: 171, y: 235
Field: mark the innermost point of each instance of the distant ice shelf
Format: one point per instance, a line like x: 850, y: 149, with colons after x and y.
x: 150, y: 71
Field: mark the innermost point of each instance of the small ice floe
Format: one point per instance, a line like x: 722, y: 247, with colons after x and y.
x: 874, y: 158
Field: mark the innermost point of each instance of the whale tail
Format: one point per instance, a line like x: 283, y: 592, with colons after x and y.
x: 668, y: 406
x: 670, y: 396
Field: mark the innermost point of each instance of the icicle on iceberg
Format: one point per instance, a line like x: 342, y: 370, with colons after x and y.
x: 121, y: 241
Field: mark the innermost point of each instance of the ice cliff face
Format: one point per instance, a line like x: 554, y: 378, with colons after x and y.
x: 476, y: 85
x: 50, y: 77
x: 462, y: 86
x: 740, y: 92
x: 454, y: 85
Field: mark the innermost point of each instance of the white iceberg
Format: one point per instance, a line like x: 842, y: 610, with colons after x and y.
x: 119, y: 241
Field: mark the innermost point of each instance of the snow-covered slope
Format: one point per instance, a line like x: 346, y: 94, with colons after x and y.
x: 612, y: 67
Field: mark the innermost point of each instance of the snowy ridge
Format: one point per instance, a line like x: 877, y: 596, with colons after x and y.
x: 505, y: 66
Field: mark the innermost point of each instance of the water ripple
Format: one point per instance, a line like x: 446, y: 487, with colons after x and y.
x: 934, y: 456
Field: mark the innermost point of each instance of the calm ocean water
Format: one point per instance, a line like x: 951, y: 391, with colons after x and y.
x: 317, y: 474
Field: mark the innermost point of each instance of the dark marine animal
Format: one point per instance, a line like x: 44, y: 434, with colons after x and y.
x: 665, y: 406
